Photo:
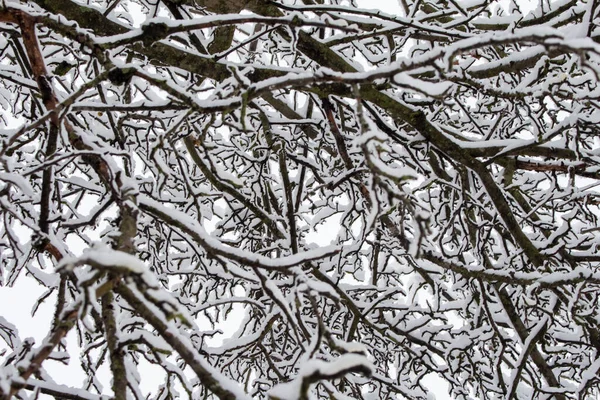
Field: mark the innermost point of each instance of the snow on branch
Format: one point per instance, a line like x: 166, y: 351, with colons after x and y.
x: 214, y: 247
x: 313, y: 371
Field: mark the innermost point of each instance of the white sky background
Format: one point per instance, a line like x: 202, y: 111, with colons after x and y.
x: 16, y: 303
